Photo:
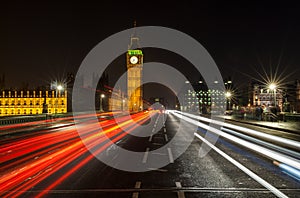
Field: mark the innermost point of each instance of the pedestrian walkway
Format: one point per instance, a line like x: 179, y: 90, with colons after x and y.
x: 292, y: 126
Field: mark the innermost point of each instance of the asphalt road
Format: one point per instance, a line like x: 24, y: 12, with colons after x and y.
x: 190, y: 175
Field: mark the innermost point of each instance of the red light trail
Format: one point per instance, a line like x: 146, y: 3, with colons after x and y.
x: 27, y: 162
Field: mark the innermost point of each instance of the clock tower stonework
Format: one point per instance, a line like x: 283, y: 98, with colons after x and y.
x: 134, y: 61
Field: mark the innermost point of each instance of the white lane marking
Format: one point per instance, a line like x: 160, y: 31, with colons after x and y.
x: 165, y: 130
x: 264, y: 183
x: 180, y: 194
x: 153, y: 130
x: 170, y: 155
x: 158, y: 153
x: 150, y: 138
x: 137, y: 186
x: 146, y: 155
x: 166, y: 137
x: 160, y: 170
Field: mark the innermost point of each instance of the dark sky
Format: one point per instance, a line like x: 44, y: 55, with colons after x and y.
x: 41, y: 41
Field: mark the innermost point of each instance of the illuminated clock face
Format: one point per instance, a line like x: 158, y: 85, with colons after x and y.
x: 133, y: 60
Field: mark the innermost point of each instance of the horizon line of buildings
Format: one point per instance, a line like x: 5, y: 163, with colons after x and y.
x: 256, y: 94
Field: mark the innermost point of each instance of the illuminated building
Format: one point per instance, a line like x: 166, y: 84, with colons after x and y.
x: 263, y: 96
x: 203, y: 99
x: 134, y: 60
x: 297, y: 101
x: 32, y: 102
x: 116, y: 101
x: 292, y: 97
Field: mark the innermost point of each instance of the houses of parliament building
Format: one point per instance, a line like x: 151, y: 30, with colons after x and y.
x: 32, y: 102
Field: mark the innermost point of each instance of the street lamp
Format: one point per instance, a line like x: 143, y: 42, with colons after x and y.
x: 228, y: 97
x: 101, y: 98
x: 58, y: 89
x: 123, y: 104
x: 272, y: 86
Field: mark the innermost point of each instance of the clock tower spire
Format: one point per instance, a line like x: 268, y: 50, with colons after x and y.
x: 134, y: 61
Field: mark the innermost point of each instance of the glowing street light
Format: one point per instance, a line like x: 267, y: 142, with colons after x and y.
x: 228, y: 94
x: 59, y: 87
x: 272, y: 86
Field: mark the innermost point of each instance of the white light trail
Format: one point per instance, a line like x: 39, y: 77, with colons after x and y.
x: 264, y: 151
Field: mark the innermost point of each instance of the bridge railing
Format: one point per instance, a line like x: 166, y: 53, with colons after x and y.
x: 21, y: 119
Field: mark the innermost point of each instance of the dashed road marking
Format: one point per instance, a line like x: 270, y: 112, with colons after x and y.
x: 165, y: 130
x: 170, y: 155
x: 160, y: 170
x: 137, y: 186
x: 180, y: 194
x: 150, y: 138
x: 158, y: 153
x: 166, y: 137
x: 146, y: 155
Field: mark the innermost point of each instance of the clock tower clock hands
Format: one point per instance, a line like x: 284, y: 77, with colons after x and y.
x: 133, y: 60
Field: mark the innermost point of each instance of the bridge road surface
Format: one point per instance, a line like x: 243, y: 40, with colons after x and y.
x: 187, y: 176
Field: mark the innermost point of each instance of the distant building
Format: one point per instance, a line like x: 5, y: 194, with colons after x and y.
x: 286, y: 98
x: 263, y: 96
x: 159, y: 100
x: 32, y: 102
x: 297, y: 105
x: 203, y: 99
x: 292, y: 97
x: 117, y: 101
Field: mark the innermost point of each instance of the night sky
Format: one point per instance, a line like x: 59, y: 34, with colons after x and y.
x: 43, y: 41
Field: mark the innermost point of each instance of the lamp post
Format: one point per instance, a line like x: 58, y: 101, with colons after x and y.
x: 58, y: 89
x: 272, y: 86
x: 123, y: 104
x: 101, y: 98
x: 228, y: 97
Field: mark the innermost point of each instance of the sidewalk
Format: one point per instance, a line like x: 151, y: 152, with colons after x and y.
x: 289, y: 126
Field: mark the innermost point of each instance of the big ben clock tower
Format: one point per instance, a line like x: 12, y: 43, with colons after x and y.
x: 134, y: 61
